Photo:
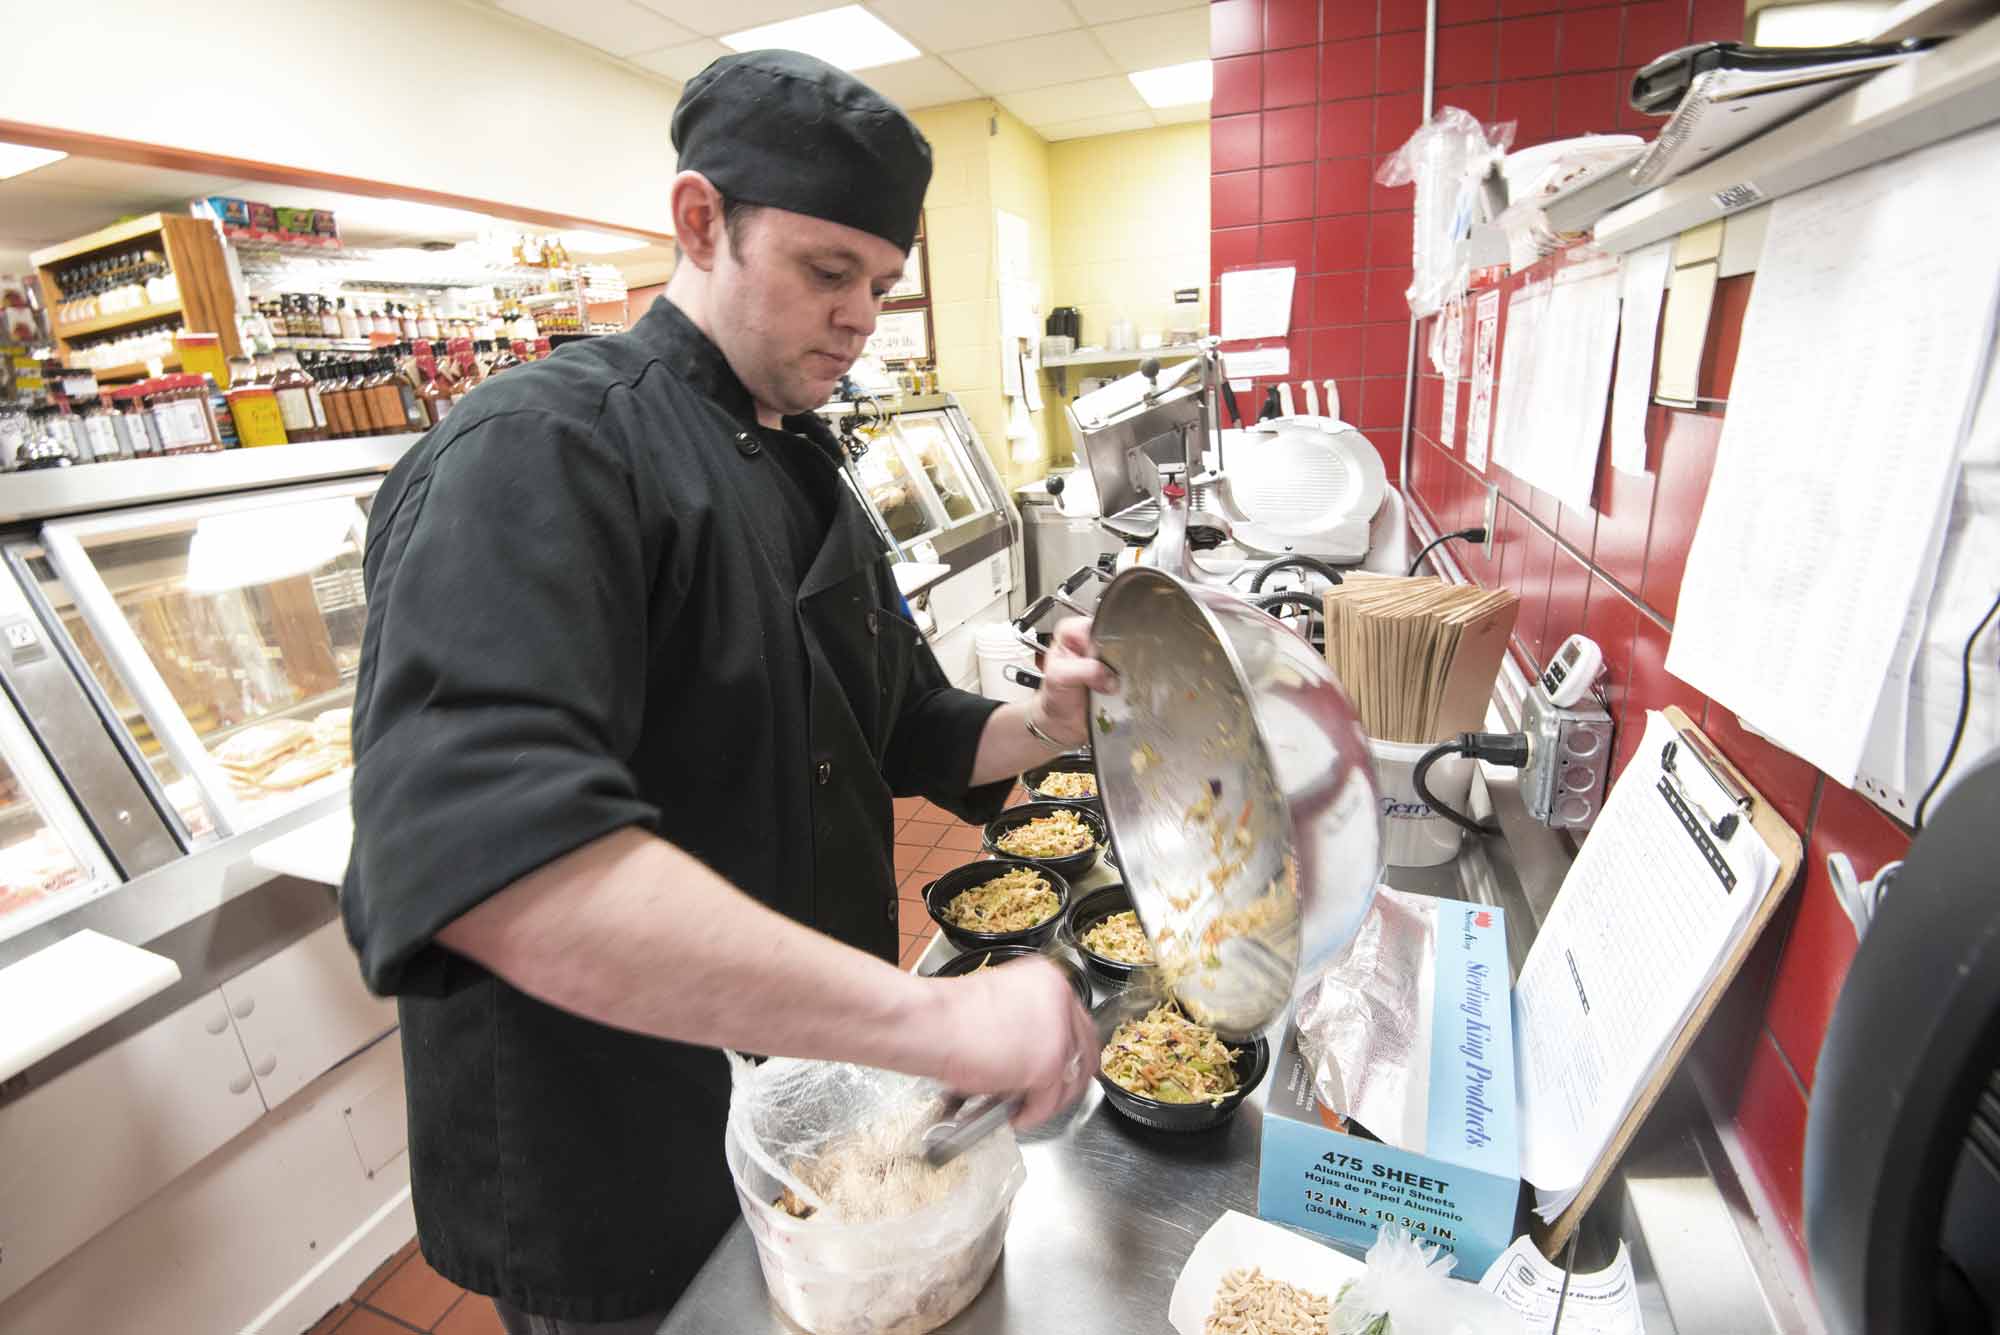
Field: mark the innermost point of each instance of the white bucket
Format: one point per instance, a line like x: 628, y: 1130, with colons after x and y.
x: 1414, y: 835
x: 996, y: 647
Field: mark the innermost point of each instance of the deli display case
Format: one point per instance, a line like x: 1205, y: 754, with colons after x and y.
x: 923, y: 472
x: 221, y: 638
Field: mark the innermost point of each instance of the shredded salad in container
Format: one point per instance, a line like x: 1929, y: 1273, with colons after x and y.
x: 1167, y: 1057
x: 1013, y: 901
x: 1119, y: 937
x: 1058, y: 835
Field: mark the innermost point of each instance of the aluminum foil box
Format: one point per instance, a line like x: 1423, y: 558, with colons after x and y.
x: 1461, y: 1191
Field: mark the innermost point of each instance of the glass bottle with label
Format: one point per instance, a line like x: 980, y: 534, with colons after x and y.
x: 427, y: 325
x: 329, y: 323
x: 431, y: 389
x: 334, y: 396
x: 385, y: 405
x: 350, y: 328
x: 294, y: 389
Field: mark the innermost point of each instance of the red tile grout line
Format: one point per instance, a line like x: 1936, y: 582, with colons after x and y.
x: 1663, y: 622
x: 386, y: 1316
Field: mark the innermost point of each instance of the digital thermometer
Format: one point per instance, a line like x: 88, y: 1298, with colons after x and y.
x: 1571, y: 673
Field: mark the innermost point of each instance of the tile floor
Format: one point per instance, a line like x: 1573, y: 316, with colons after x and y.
x: 405, y: 1295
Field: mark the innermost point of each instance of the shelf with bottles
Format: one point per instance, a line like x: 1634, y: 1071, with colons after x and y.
x: 135, y: 278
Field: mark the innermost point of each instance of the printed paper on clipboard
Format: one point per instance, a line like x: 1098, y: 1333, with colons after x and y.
x: 1644, y: 920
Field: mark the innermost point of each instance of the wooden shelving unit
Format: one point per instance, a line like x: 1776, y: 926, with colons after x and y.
x: 207, y: 304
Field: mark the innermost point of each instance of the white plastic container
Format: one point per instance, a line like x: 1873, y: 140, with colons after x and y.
x: 996, y: 647
x: 1414, y: 835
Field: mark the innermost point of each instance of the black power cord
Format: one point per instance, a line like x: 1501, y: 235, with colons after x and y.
x: 1314, y: 564
x: 1501, y: 748
x: 1964, y: 708
x: 1477, y: 533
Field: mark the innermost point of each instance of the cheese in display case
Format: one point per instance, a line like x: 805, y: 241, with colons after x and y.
x: 224, y: 638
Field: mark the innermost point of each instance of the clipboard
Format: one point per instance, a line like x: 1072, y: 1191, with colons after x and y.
x: 1783, y: 841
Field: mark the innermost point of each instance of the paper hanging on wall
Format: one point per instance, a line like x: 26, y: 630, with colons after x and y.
x: 1012, y: 249
x: 1258, y: 361
x: 1257, y: 303
x: 1555, y: 379
x: 1479, y: 417
x: 1448, y: 414
x: 1642, y: 284
x: 1848, y: 414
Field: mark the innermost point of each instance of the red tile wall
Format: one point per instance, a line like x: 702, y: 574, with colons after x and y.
x: 1556, y: 68
x: 1614, y: 573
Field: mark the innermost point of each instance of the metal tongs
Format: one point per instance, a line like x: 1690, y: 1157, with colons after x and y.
x: 972, y: 1121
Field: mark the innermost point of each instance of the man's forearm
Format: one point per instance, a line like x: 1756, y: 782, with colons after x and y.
x: 632, y: 932
x: 1006, y: 747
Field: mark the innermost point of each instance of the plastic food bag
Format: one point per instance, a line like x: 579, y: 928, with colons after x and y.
x: 1408, y: 1290
x: 1446, y: 159
x: 861, y: 1267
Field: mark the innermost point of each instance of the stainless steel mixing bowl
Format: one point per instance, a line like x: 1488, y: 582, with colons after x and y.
x: 1228, y: 722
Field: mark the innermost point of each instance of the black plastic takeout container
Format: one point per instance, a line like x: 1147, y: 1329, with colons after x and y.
x: 1072, y: 867
x: 1253, y: 1060
x: 1076, y: 762
x: 940, y: 893
x: 960, y: 965
x: 1091, y: 908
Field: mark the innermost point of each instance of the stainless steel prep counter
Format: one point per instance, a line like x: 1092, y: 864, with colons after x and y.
x: 1111, y: 1210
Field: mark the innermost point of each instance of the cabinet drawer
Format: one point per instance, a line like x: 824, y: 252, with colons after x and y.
x: 82, y: 1150
x: 303, y: 1011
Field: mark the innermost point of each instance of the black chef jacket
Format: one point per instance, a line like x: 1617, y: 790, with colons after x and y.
x: 589, y: 608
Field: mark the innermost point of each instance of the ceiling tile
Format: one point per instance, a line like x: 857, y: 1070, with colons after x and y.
x: 713, y: 20
x: 1110, y: 11
x: 927, y: 82
x: 953, y: 27
x: 1075, y: 101
x: 618, y: 26
x: 1164, y: 39
x: 684, y: 61
x: 1182, y: 115
x: 1093, y: 125
x: 1033, y: 62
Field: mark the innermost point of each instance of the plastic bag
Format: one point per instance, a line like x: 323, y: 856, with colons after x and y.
x: 1408, y: 1290
x: 790, y: 1124
x: 1446, y: 159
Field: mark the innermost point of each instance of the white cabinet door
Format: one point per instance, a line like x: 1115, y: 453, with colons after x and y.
x: 303, y: 1011
x: 82, y: 1150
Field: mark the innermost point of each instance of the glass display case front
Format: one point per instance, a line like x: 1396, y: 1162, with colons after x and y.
x: 49, y: 860
x: 917, y: 476
x: 225, y: 636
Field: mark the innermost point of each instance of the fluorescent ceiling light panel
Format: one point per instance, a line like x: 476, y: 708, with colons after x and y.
x: 848, y: 38
x: 599, y: 243
x: 18, y: 158
x: 1175, y: 85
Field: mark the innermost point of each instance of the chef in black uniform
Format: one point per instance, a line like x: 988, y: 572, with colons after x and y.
x: 636, y: 691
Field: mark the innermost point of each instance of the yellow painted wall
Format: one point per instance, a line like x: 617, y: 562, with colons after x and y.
x: 1117, y: 221
x: 1131, y: 225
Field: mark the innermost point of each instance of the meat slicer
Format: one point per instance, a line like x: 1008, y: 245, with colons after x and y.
x: 1284, y: 503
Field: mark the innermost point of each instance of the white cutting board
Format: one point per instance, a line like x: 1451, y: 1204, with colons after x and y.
x: 313, y: 852
x: 58, y: 994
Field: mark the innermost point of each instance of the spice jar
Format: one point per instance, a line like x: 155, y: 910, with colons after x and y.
x: 100, y: 437
x: 181, y: 413
x: 137, y: 435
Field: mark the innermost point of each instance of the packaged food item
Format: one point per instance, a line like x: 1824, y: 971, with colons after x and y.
x: 899, y: 1259
x: 259, y: 420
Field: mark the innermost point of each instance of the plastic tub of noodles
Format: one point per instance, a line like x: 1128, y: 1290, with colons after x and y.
x: 869, y: 1260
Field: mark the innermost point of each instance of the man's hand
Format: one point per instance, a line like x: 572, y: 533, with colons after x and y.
x: 1017, y: 1029
x: 1070, y: 671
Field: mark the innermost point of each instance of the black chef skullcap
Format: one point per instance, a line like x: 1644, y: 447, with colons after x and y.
x: 784, y: 129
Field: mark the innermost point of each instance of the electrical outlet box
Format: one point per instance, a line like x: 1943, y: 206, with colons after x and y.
x: 1569, y: 761
x: 1492, y: 519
